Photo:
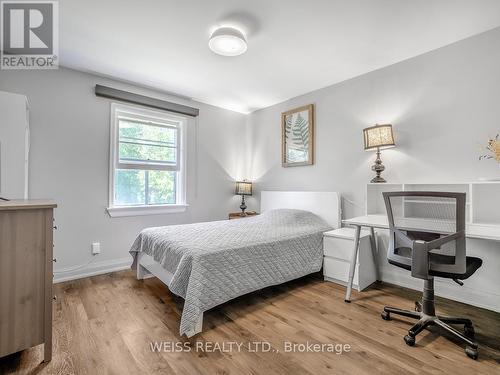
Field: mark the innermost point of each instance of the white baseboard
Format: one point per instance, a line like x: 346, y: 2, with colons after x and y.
x: 444, y: 288
x: 93, y: 269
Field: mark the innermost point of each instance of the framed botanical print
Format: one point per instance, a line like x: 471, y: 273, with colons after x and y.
x: 297, y: 136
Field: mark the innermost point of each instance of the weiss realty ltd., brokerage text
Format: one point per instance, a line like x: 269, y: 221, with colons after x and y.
x: 249, y: 346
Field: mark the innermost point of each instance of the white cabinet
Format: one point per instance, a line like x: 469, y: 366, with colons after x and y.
x: 338, y: 247
x: 14, y: 145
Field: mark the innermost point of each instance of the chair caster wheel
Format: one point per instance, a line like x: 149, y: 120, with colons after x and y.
x: 385, y: 315
x: 469, y: 331
x: 471, y: 352
x: 418, y: 307
x: 410, y: 341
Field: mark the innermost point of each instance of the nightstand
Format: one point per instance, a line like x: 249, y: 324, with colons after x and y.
x: 338, y: 247
x: 237, y: 215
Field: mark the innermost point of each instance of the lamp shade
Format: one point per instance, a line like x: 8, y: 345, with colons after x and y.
x: 378, y: 136
x: 243, y: 188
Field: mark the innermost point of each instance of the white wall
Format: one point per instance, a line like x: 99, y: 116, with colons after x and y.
x: 69, y: 162
x: 443, y: 105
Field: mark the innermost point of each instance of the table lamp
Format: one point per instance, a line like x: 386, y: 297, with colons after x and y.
x: 243, y: 188
x: 376, y: 138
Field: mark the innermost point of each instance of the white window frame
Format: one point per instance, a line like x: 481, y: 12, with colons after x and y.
x: 114, y: 162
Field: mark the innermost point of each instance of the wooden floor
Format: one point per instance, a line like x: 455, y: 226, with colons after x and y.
x: 106, y: 324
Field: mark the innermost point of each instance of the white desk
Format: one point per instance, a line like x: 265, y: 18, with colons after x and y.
x: 480, y: 231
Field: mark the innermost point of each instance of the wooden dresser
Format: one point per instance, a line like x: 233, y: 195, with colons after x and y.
x: 26, y: 275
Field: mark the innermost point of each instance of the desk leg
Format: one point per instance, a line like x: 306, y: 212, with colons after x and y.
x: 352, y: 268
x: 373, y: 241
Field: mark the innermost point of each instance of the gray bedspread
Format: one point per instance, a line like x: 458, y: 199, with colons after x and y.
x: 217, y: 261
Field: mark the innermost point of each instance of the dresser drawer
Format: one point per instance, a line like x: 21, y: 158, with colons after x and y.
x: 343, y: 248
x: 340, y: 248
x: 338, y: 270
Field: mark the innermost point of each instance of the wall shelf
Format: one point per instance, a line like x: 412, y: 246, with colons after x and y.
x: 429, y: 202
x: 482, y: 209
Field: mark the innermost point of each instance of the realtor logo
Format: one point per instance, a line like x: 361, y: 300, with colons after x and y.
x: 29, y: 34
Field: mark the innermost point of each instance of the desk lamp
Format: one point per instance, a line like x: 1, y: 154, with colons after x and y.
x: 243, y: 188
x: 376, y: 138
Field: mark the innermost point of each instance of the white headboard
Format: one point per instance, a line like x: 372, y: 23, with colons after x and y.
x: 325, y: 204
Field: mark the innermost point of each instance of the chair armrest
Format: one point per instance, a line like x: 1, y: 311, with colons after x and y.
x: 441, y: 241
x: 420, y: 260
x: 407, y: 241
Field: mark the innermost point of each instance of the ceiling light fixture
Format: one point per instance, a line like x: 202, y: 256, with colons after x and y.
x: 228, y: 41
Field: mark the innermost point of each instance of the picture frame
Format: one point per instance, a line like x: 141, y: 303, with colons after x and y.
x: 297, y: 136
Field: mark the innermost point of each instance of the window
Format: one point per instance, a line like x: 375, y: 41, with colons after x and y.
x: 147, y: 167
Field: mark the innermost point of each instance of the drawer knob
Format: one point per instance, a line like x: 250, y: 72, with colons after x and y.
x: 55, y: 227
x: 54, y: 260
x: 54, y: 298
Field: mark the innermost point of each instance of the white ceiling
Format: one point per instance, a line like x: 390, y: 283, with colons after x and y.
x: 293, y: 46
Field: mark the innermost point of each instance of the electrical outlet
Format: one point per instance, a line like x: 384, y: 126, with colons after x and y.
x: 96, y: 248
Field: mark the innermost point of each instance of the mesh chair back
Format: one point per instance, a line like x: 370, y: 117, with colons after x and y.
x: 426, y: 216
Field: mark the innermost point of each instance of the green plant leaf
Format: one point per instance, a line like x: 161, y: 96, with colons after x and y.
x: 300, y: 131
x: 288, y: 126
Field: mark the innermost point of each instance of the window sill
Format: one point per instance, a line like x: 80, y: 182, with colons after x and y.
x: 122, y: 211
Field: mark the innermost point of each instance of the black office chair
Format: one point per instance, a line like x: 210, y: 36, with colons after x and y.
x: 427, y: 237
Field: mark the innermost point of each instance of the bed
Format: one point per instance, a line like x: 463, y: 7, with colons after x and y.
x: 210, y: 263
